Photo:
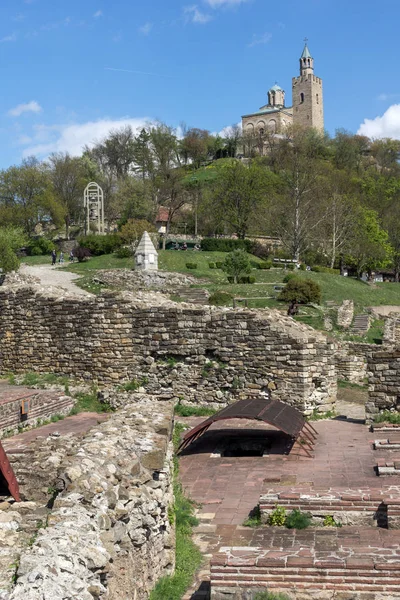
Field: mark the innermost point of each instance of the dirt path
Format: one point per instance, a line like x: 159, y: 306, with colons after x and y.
x: 54, y: 276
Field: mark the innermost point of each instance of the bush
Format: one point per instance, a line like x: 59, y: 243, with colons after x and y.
x: 81, y: 253
x: 388, y: 417
x: 219, y: 265
x: 278, y: 517
x: 225, y: 245
x: 266, y: 264
x: 9, y: 261
x: 302, y: 267
x: 301, y: 291
x: 220, y: 299
x: 237, y: 263
x: 124, y: 252
x: 290, y: 266
x: 40, y: 246
x: 298, y: 520
x: 211, y: 265
x: 191, y: 265
x: 247, y: 279
x: 259, y: 250
x: 289, y: 277
x: 100, y: 244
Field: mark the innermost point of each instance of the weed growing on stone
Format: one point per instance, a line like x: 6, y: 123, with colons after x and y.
x: 352, y: 386
x: 388, y: 417
x: 298, y: 520
x: 317, y: 416
x: 188, y: 556
x: 193, y: 411
x: 329, y: 521
x: 254, y: 518
x: 278, y: 517
x: 133, y: 385
x: 89, y: 403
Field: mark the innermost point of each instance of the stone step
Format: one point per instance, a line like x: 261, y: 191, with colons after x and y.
x: 361, y: 323
x: 193, y: 295
x: 365, y: 561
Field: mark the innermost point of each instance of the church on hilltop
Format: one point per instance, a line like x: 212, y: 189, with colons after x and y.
x: 307, y: 99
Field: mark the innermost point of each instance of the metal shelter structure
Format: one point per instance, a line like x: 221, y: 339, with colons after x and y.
x: 7, y: 472
x: 93, y: 202
x: 274, y: 412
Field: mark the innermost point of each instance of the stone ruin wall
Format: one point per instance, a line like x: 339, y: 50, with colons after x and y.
x: 391, y: 333
x: 384, y: 377
x: 351, y: 361
x: 204, y: 355
x: 108, y: 534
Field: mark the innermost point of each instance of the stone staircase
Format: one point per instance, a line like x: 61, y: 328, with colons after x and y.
x: 360, y: 324
x: 193, y: 295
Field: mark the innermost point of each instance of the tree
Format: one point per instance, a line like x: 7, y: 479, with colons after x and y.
x: 369, y: 246
x: 68, y: 177
x: 29, y: 193
x: 301, y: 291
x: 142, y: 155
x: 239, y: 192
x: 133, y: 230
x: 8, y: 259
x: 195, y: 146
x: 236, y: 263
x: 232, y: 139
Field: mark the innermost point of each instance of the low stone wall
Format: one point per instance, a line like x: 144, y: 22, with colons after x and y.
x: 384, y: 377
x: 345, y: 314
x: 351, y: 361
x: 108, y: 534
x: 351, y: 507
x: 40, y: 405
x: 204, y: 354
x: 391, y: 333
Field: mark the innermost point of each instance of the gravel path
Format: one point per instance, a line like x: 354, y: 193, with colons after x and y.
x: 54, y: 276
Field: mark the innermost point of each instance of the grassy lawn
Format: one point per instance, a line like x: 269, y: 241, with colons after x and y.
x: 36, y: 260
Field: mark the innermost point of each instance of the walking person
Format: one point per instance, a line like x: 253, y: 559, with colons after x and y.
x: 53, y: 258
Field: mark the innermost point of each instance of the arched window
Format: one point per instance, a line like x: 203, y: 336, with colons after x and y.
x: 308, y: 62
x: 301, y: 98
x: 272, y: 125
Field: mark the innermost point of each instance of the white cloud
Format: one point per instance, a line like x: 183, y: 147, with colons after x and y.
x: 194, y: 15
x: 73, y: 137
x: 260, y: 39
x: 9, y: 38
x: 98, y: 14
x: 146, y: 28
x: 31, y: 106
x: 386, y: 126
x: 223, y: 3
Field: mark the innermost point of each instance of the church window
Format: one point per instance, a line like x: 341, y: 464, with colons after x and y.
x: 301, y: 98
x: 272, y: 126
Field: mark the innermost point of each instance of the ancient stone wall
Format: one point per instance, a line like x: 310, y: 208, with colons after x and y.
x: 351, y: 361
x: 391, y: 333
x: 345, y: 314
x: 204, y: 354
x: 108, y: 534
x: 384, y: 377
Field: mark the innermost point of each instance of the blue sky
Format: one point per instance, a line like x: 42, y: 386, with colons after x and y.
x: 73, y: 69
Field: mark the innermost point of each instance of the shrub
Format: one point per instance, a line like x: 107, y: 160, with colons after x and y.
x: 220, y: 299
x: 9, y: 261
x: 302, y: 267
x: 81, y: 253
x: 225, y: 245
x: 266, y: 264
x: 211, y: 265
x: 298, y: 520
x: 191, y: 265
x: 237, y: 263
x: 290, y: 266
x: 289, y: 277
x: 100, y: 244
x: 219, y: 264
x: 301, y: 291
x: 123, y: 252
x: 247, y: 279
x: 329, y: 521
x: 39, y: 246
x: 259, y: 250
x: 278, y: 517
x: 388, y: 417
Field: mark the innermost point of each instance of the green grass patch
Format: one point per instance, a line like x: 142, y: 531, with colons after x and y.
x: 317, y: 416
x: 343, y: 384
x: 89, y: 403
x: 36, y: 260
x: 193, y: 411
x: 388, y: 417
x: 254, y: 518
x: 188, y: 557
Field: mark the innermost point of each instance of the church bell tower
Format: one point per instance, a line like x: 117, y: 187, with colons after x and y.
x: 308, y: 106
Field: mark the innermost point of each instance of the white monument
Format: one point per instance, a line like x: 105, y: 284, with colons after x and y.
x: 146, y: 257
x: 93, y: 201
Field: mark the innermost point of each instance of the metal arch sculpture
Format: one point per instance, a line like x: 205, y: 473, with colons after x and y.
x: 274, y: 412
x: 93, y: 202
x: 7, y: 472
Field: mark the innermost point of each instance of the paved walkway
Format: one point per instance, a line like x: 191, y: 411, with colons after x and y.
x: 54, y: 276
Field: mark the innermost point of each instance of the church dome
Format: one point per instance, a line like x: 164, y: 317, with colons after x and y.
x: 276, y: 88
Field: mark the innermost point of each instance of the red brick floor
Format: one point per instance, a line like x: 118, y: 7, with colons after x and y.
x: 75, y: 425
